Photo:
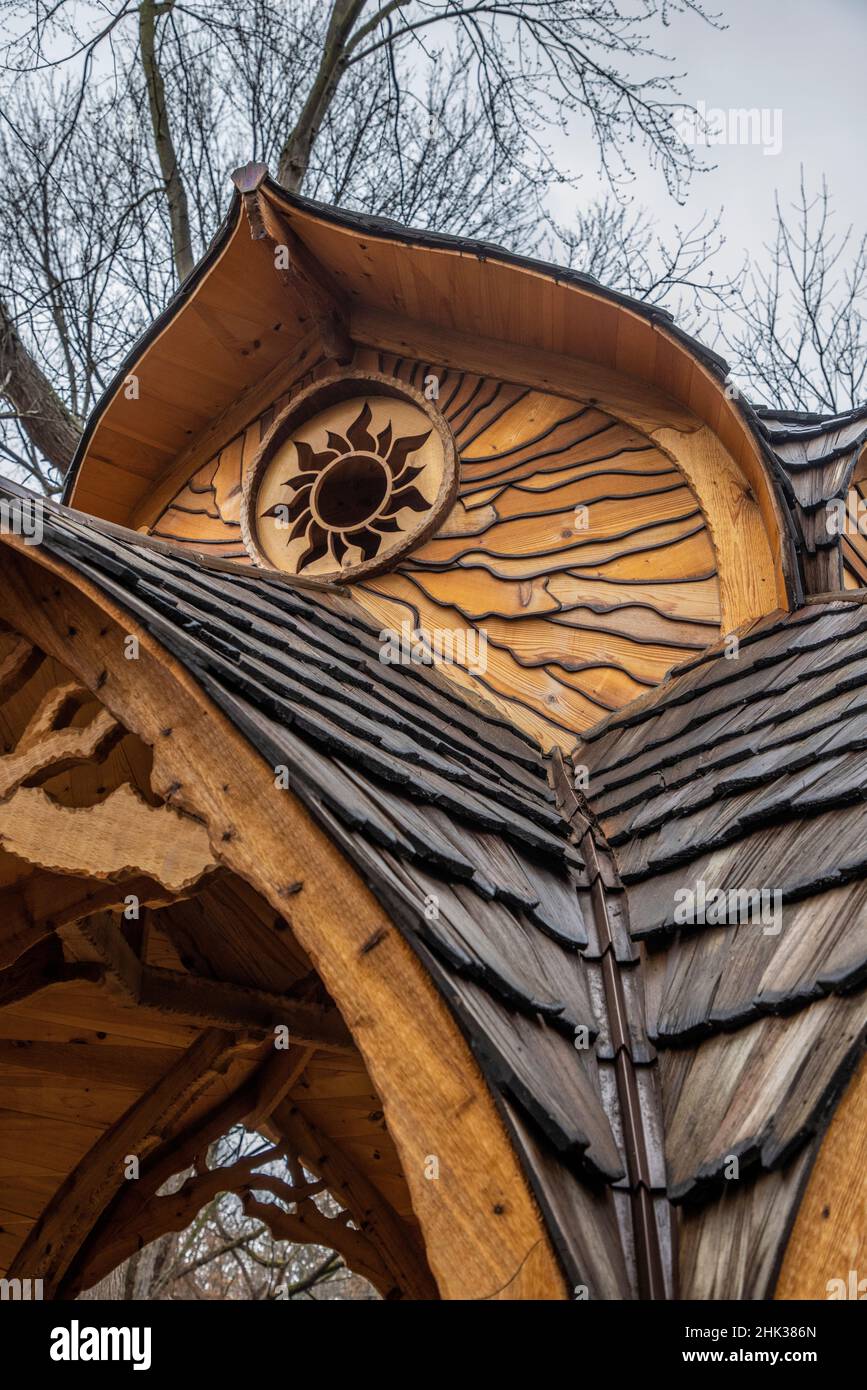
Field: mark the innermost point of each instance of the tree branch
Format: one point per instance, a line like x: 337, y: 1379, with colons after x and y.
x: 295, y: 155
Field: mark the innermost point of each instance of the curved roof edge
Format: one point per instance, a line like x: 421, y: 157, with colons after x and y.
x: 738, y: 424
x: 387, y: 228
x: 151, y: 333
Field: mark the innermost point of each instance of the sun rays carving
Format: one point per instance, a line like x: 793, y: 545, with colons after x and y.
x: 351, y: 492
x: 345, y: 489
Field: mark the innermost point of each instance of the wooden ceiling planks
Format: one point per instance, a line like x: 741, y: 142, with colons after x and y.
x: 229, y: 423
x: 196, y: 366
x: 589, y: 331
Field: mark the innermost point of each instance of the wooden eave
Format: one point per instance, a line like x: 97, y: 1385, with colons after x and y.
x: 235, y: 321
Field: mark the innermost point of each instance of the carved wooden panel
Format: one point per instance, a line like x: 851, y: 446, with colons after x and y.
x: 573, y: 570
x: 355, y: 473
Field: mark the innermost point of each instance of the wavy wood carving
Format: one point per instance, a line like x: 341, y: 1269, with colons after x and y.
x: 575, y: 549
x: 43, y: 750
x: 119, y: 837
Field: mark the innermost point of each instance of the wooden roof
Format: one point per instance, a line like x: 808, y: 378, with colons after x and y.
x: 747, y: 774
x: 820, y: 458
x: 433, y: 798
x: 631, y: 1060
x: 534, y: 923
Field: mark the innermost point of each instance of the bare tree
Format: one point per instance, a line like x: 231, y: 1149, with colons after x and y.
x: 795, y: 326
x: 621, y: 248
x: 225, y: 1253
x: 432, y: 111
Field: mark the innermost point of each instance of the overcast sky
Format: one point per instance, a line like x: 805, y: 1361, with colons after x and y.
x: 804, y: 58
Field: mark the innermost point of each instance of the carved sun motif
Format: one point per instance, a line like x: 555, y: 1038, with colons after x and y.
x: 349, y: 489
x: 350, y: 492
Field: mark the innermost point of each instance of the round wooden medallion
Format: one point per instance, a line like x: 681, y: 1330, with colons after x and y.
x: 355, y: 472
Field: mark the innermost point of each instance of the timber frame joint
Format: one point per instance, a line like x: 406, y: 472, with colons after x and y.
x: 295, y: 264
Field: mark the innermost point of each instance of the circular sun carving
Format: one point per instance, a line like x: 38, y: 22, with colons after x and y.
x: 355, y: 472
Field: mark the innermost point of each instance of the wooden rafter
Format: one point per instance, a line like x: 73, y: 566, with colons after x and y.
x: 142, y: 1212
x: 45, y: 902
x: 40, y: 967
x: 193, y: 999
x: 301, y: 272
x: 348, y: 1184
x: 135, y: 1215
x: 44, y: 751
x: 17, y: 666
x: 308, y: 1225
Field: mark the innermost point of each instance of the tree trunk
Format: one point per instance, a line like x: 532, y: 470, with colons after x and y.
x: 50, y: 425
x: 295, y: 155
x: 176, y: 196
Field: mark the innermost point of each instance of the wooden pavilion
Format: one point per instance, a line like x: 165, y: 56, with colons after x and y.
x: 418, y: 923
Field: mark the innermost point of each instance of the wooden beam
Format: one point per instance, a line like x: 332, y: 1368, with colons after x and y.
x: 117, y: 1234
x: 17, y: 666
x: 40, y: 967
x: 272, y: 1087
x: 122, y: 835
x: 44, y: 902
x: 298, y: 269
x: 231, y: 422
x: 396, y: 1244
x: 829, y: 1235
x: 57, y: 1237
x: 54, y: 751
x: 212, y: 1003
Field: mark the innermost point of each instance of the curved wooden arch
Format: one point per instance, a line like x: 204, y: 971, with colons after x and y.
x: 829, y: 1236
x: 460, y: 304
x: 483, y: 1233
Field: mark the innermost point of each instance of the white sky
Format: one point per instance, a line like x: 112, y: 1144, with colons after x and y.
x: 805, y: 57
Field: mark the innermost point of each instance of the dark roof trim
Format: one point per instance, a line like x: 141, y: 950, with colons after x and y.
x: 806, y: 424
